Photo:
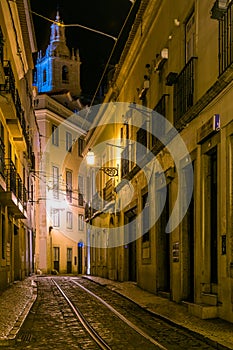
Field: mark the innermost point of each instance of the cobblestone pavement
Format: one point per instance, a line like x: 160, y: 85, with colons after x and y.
x: 17, y: 300
x: 15, y: 303
x: 219, y: 332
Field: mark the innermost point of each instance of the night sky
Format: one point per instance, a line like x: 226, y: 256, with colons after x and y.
x: 106, y: 16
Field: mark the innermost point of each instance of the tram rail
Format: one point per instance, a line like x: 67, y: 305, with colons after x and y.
x: 90, y: 329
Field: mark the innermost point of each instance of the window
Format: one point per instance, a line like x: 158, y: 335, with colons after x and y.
x: 69, y: 220
x: 65, y: 74
x: 145, y: 218
x: 141, y: 142
x: 56, y: 258
x: 80, y: 190
x: 81, y: 222
x: 55, y: 182
x: 44, y: 76
x: 81, y: 144
x: 69, y: 254
x: 69, y: 260
x: 3, y: 237
x: 190, y: 37
x: 158, y: 125
x: 184, y: 89
x: 55, y: 140
x: 2, y: 150
x: 56, y: 217
x: 69, y: 186
x: 225, y: 39
x: 1, y: 45
x: 68, y: 141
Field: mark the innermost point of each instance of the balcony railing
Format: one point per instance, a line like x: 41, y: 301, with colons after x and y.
x: 184, y: 90
x: 9, y: 85
x: 14, y: 182
x: 10, y: 88
x: 2, y: 157
x: 225, y: 39
x: 1, y: 45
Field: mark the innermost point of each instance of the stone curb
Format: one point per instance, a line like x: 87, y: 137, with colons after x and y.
x: 9, y: 339
x: 199, y: 336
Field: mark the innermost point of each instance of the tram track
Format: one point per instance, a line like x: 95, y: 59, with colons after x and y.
x: 99, y: 341
x: 142, y: 338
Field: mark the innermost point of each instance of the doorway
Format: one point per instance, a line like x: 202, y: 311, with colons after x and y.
x: 163, y: 242
x: 130, y: 222
x: 69, y: 260
x: 213, y: 199
x: 80, y: 257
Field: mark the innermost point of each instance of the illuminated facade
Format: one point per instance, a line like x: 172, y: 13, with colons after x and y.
x: 177, y: 64
x: 19, y: 137
x: 60, y: 197
x: 55, y: 71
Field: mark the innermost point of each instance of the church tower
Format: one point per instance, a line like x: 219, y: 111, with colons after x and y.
x: 58, y: 70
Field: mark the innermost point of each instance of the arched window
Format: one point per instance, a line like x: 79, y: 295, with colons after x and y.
x: 44, y: 76
x: 65, y: 74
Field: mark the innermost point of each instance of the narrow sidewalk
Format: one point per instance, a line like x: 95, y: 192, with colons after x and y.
x: 15, y: 303
x: 219, y: 333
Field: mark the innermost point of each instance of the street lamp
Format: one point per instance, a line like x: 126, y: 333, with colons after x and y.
x: 108, y: 170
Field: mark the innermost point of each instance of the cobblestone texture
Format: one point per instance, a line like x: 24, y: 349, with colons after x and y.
x: 218, y: 331
x: 15, y: 302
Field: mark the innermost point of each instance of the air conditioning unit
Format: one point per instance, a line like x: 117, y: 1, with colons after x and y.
x: 161, y: 59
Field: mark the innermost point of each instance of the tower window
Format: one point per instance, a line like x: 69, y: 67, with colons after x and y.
x: 44, y: 76
x: 65, y: 74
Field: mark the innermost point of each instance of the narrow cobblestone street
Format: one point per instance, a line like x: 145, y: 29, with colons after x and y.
x: 52, y: 324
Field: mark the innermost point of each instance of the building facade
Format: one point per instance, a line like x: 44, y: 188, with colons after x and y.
x: 19, y: 136
x: 60, y: 244
x: 173, y: 232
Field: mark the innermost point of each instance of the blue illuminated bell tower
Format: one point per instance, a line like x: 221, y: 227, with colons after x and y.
x: 59, y: 69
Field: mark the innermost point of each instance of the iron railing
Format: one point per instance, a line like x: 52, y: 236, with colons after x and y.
x: 184, y: 89
x: 2, y: 157
x: 1, y: 46
x: 226, y: 39
x: 14, y: 182
x: 10, y: 87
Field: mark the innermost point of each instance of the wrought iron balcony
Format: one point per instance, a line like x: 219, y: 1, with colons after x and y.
x: 225, y: 53
x: 2, y: 166
x: 15, y: 197
x: 12, y: 108
x: 9, y: 85
x: 184, y: 89
x: 1, y: 56
x: 2, y: 157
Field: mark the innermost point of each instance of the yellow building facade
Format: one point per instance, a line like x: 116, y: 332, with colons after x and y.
x: 60, y: 189
x: 19, y: 136
x: 172, y: 205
